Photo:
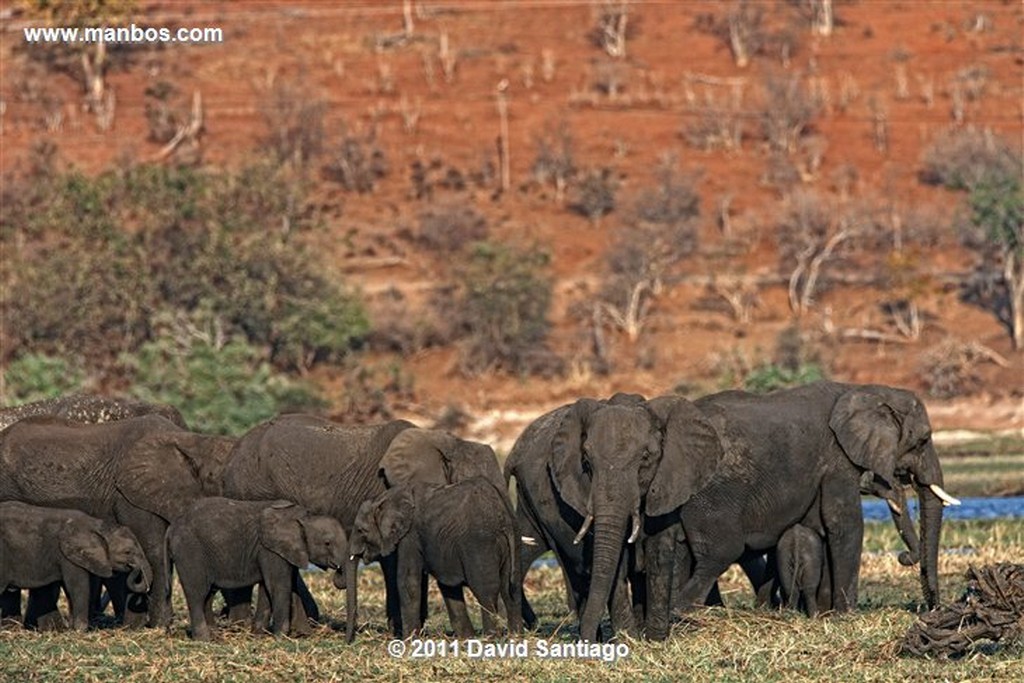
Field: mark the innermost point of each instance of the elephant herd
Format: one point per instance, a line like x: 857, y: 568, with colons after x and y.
x: 643, y: 502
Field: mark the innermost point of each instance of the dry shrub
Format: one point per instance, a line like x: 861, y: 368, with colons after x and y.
x: 949, y: 369
x: 451, y: 227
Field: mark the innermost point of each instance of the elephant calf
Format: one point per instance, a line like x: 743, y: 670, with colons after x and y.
x: 462, y: 534
x: 40, y: 547
x: 225, y: 543
x: 800, y: 555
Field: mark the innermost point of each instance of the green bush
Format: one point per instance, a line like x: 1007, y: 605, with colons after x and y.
x: 98, y: 257
x: 220, y: 386
x: 502, y: 306
x: 770, y: 376
x: 34, y: 377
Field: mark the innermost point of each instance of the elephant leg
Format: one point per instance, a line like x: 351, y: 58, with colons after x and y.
x: 10, y: 604
x: 458, y: 615
x: 664, y: 558
x: 843, y: 522
x: 531, y: 546
x: 119, y: 595
x: 824, y: 592
x: 755, y: 566
x: 767, y: 592
x: 511, y: 593
x: 424, y: 588
x: 299, y: 621
x: 76, y: 584
x: 237, y: 604
x: 392, y: 594
x: 41, y: 611
x: 150, y: 530
x: 620, y: 606
x: 261, y: 618
x: 309, y: 606
x: 488, y: 613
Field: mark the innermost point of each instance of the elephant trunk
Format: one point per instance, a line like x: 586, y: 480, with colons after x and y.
x: 140, y: 579
x: 928, y: 478
x: 351, y: 601
x: 608, y: 535
x: 931, y: 525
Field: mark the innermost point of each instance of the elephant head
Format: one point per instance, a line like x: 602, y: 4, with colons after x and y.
x: 126, y: 555
x: 433, y: 456
x: 620, y: 461
x: 887, y: 431
x: 84, y: 546
x: 381, y: 523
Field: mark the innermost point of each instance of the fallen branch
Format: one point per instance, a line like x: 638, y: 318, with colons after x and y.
x: 992, y: 608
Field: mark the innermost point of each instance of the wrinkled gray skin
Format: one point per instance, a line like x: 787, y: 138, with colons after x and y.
x: 597, y: 483
x: 801, y: 560
x: 89, y: 409
x: 40, y: 547
x: 790, y: 450
x: 461, y: 534
x: 769, y: 592
x: 332, y: 469
x: 224, y: 543
x: 140, y: 472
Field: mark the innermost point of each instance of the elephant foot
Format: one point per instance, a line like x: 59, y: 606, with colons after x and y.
x: 300, y: 628
x: 53, y: 622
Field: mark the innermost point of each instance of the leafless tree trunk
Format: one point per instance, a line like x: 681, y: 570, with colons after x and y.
x: 1013, y: 273
x: 503, y: 142
x: 631, y: 318
x: 804, y: 278
x: 822, y: 17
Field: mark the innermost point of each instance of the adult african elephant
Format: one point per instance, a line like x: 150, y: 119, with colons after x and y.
x: 621, y: 466
x: 331, y: 469
x: 88, y: 408
x: 141, y: 472
x: 791, y: 450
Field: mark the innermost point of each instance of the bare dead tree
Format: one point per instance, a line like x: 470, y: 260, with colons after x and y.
x: 657, y: 232
x: 503, y: 141
x: 613, y: 27
x: 188, y: 133
x: 810, y: 232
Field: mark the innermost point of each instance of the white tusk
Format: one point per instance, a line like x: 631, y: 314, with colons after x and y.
x: 943, y: 496
x: 583, y: 529
x: 894, y: 506
x: 528, y: 540
x: 636, y: 529
x: 351, y: 557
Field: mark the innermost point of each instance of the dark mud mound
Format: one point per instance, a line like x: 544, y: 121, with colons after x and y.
x: 992, y: 609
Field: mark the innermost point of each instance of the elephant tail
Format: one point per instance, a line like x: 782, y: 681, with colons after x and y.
x: 168, y: 565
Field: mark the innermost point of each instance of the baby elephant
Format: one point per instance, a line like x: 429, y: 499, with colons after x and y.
x: 42, y: 546
x: 801, y: 560
x: 225, y: 543
x: 462, y: 533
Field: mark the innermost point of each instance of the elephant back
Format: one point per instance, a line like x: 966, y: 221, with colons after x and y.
x: 327, y: 468
x: 86, y: 408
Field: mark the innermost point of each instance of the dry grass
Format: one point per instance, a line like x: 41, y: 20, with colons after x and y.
x: 729, y: 644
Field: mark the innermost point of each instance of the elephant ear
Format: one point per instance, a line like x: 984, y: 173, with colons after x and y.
x: 418, y: 455
x: 393, y: 518
x: 867, y: 431
x: 87, y: 549
x: 281, y: 532
x: 156, y: 475
x: 691, y: 452
x: 566, y: 464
